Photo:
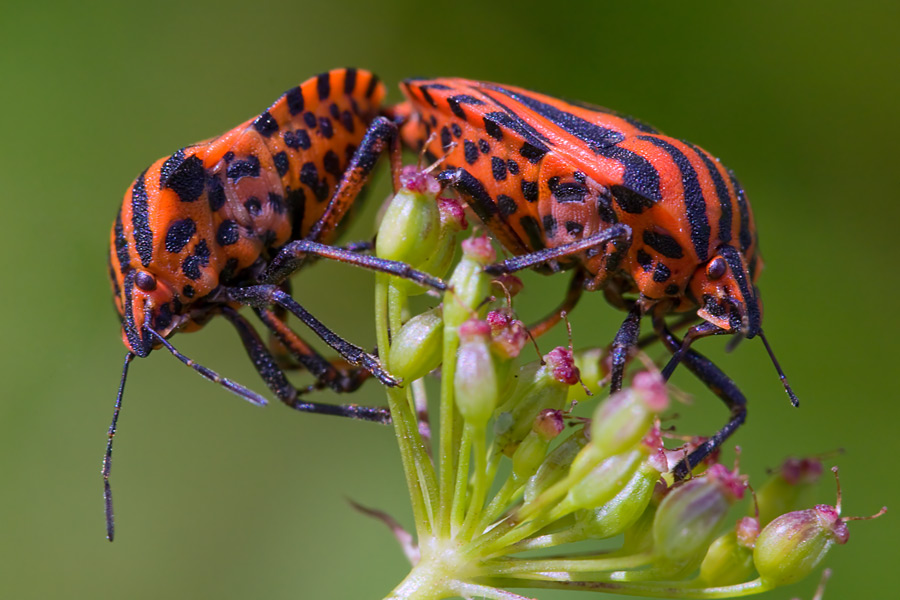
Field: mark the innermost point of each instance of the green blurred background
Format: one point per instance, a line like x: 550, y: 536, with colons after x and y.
x: 216, y: 498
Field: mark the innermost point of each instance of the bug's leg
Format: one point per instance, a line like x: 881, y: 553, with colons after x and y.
x: 573, y: 294
x: 696, y: 332
x: 679, y: 324
x: 291, y: 256
x: 265, y: 295
x: 623, y: 346
x: 619, y: 232
x: 718, y: 382
x: 276, y: 380
x: 380, y: 137
x: 334, y: 374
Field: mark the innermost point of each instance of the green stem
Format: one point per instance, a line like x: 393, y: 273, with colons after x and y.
x: 673, y: 590
x: 483, y: 477
x: 446, y: 450
x: 460, y: 494
x: 567, y: 565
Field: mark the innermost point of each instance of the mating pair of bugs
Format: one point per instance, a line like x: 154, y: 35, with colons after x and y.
x: 657, y: 223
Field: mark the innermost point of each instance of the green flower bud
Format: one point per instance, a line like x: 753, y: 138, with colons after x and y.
x: 593, y: 364
x: 469, y: 283
x: 792, y: 545
x: 546, y: 389
x: 475, y: 382
x: 416, y: 348
x: 626, y: 416
x: 603, y: 482
x: 556, y: 465
x: 729, y: 560
x: 622, y: 511
x: 690, y: 515
x: 789, y: 488
x: 529, y: 455
x: 411, y: 226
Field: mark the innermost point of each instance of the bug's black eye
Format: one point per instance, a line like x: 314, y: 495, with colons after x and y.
x: 716, y: 268
x: 145, y: 281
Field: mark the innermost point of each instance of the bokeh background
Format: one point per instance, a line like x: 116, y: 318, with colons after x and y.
x: 219, y: 499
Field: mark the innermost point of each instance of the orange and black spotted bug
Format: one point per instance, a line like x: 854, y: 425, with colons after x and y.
x: 657, y: 223
x: 224, y: 222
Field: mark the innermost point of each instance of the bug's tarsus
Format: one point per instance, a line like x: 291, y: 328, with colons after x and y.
x: 107, y: 458
x: 787, y: 386
x: 277, y: 381
x: 714, y: 379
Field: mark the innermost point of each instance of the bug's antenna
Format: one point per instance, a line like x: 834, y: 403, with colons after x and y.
x: 787, y: 387
x: 231, y: 386
x: 107, y: 459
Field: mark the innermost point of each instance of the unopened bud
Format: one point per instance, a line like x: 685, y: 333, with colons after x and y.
x: 603, y: 482
x: 690, y: 515
x: 469, y: 283
x: 475, y: 382
x: 416, y: 349
x: 556, y: 465
x: 726, y: 562
x: 593, y: 365
x: 549, y: 424
x: 621, y: 512
x: 529, y: 455
x: 509, y: 334
x: 627, y: 416
x: 410, y: 228
x: 789, y: 488
x: 512, y: 284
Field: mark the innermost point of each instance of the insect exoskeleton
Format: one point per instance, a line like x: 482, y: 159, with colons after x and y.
x: 657, y: 223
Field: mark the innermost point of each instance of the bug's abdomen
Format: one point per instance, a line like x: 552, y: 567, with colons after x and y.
x: 210, y: 211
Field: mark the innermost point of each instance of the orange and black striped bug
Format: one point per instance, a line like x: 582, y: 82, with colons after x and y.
x: 225, y: 222
x: 657, y: 223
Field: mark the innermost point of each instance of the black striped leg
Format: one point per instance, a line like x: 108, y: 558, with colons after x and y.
x: 380, y: 137
x: 573, y: 294
x: 263, y: 296
x: 623, y: 346
x: 614, y: 233
x: 701, y: 330
x: 334, y: 374
x: 679, y: 324
x: 276, y: 380
x: 718, y: 382
x: 291, y: 256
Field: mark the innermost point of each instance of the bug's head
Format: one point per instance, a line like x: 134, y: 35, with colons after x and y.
x: 724, y: 289
x: 145, y: 301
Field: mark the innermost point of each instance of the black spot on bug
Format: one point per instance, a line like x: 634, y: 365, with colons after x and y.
x: 121, y: 246
x: 579, y: 177
x: 332, y: 164
x: 323, y: 85
x: 672, y: 289
x: 468, y: 184
x: 498, y: 168
x: 179, y: 234
x: 661, y: 273
x: 202, y: 250
x: 228, y: 271
x: 215, y: 193
x: 712, y: 306
x: 309, y: 176
x: 243, y: 168
x: 265, y: 124
x: 373, y: 84
x: 446, y: 140
x: 513, y: 167
x: 228, y: 233
x: 433, y: 120
x: 296, y: 205
x: 492, y: 128
x: 506, y: 205
x: 552, y: 183
x: 605, y: 208
x: 574, y: 228
x: 253, y: 206
x: 530, y: 190
x: 277, y: 203
x: 549, y: 225
x: 297, y: 139
x: 484, y: 147
x: 457, y: 130
x: 455, y: 101
x: 629, y: 201
x: 188, y: 291
x: 349, y: 151
x: 295, y: 100
x: 335, y: 111
x: 325, y: 127
x: 645, y: 260
x: 570, y: 192
x: 347, y: 121
x: 471, y: 152
x: 281, y: 163
x: 228, y: 156
x: 533, y: 230
x: 163, y: 317
x: 532, y: 153
x: 310, y: 120
x: 188, y: 179
x: 664, y: 244
x: 190, y: 266
x: 426, y: 95
x: 168, y: 167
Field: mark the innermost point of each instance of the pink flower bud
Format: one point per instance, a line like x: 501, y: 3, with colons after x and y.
x: 549, y: 423
x: 453, y: 214
x: 418, y: 181
x: 479, y: 249
x: 509, y: 334
x: 561, y: 361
